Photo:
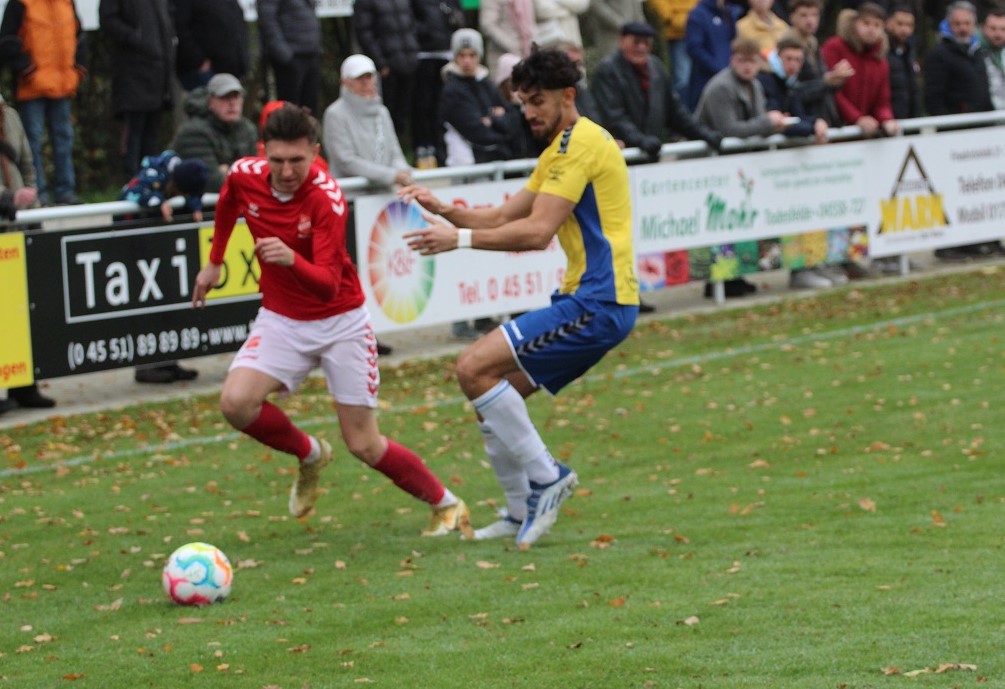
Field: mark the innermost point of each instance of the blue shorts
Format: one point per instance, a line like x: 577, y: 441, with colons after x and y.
x: 557, y: 344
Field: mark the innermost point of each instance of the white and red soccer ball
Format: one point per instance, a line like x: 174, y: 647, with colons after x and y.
x: 197, y: 574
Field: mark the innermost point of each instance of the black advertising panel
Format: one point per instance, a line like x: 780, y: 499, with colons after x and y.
x: 104, y: 299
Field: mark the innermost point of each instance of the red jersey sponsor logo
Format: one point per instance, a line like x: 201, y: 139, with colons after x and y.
x: 304, y: 227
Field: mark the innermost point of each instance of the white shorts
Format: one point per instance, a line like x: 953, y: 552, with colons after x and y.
x: 344, y: 346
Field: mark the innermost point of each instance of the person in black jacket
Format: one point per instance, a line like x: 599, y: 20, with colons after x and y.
x: 212, y: 39
x: 956, y: 80
x: 480, y: 126
x: 634, y: 96
x: 141, y: 36
x: 782, y: 93
x: 905, y: 72
x: 388, y: 34
x: 290, y: 32
x: 436, y: 21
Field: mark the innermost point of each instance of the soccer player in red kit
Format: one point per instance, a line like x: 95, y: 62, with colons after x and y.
x: 312, y: 315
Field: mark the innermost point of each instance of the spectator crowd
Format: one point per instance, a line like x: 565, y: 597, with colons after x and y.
x: 427, y: 85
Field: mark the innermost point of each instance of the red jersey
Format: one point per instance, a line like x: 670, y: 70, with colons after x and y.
x: 322, y: 281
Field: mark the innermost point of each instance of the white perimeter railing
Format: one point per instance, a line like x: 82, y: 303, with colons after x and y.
x: 72, y: 215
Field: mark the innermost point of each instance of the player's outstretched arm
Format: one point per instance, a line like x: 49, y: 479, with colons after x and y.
x: 516, y: 206
x: 533, y: 232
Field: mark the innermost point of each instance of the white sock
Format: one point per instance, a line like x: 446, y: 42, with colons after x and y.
x: 315, y: 453
x: 505, y: 413
x: 447, y: 500
x: 509, y: 472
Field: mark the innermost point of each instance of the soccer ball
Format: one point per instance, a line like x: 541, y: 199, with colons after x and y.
x: 197, y: 574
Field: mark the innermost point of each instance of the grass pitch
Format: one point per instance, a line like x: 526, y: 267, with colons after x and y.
x: 796, y: 495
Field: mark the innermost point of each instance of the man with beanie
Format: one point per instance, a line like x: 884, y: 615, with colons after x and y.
x: 479, y: 125
x: 636, y: 99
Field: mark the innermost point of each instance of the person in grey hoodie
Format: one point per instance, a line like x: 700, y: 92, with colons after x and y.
x: 359, y: 136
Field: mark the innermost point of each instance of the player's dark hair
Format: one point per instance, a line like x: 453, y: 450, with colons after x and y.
x: 545, y: 69
x: 290, y: 123
x: 900, y: 8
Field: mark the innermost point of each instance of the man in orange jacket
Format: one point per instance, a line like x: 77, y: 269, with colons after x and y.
x: 43, y: 43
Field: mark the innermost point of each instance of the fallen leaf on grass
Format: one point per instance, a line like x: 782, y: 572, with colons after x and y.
x: 189, y: 620
x: 946, y: 667
x: 691, y: 621
x: 602, y: 541
x: 195, y: 667
x: 482, y: 564
x: 74, y: 676
x: 938, y: 520
x: 867, y: 504
x: 114, y: 605
x: 616, y: 602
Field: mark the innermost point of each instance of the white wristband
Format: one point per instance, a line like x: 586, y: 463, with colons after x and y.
x: 463, y: 238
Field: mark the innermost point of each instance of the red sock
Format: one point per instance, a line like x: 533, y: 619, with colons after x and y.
x: 410, y: 473
x: 274, y: 428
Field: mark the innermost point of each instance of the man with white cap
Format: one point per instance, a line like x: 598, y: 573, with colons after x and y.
x: 216, y: 130
x: 359, y: 136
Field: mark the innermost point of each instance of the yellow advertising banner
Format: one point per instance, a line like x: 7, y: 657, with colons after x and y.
x: 241, y: 272
x: 16, y: 367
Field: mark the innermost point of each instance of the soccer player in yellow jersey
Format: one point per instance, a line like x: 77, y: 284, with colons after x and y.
x: 579, y: 191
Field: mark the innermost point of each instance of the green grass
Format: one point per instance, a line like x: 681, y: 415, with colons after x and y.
x: 798, y: 495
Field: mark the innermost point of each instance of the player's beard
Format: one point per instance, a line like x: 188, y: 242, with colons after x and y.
x: 547, y: 133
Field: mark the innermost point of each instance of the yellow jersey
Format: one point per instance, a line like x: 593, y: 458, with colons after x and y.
x: 585, y: 166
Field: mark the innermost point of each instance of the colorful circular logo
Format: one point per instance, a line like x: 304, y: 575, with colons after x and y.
x: 400, y: 278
